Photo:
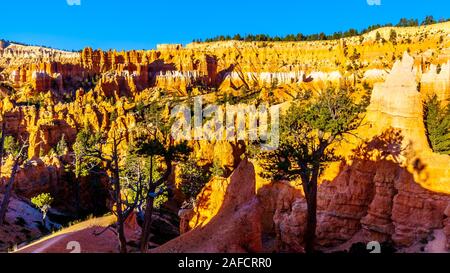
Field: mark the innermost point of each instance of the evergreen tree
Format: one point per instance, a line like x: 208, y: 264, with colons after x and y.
x: 437, y: 121
x: 429, y: 20
x: 43, y: 202
x: 308, y: 132
x: 393, y: 37
x: 154, y: 143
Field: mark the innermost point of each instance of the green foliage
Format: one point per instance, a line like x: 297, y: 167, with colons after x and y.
x: 408, y: 22
x: 193, y: 178
x: 136, y: 173
x: 11, y: 146
x: 133, y: 174
x: 252, y: 150
x: 217, y: 170
x: 333, y: 113
x: 154, y: 138
x: 43, y: 202
x: 163, y: 196
x: 307, y: 131
x: 154, y: 145
x: 393, y: 37
x: 317, y: 36
x: 84, y: 163
x: 113, y: 116
x: 429, y: 20
x: 140, y: 108
x: 159, y: 148
x: 437, y: 121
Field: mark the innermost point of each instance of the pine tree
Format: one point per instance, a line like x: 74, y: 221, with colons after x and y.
x: 308, y: 131
x: 43, y: 202
x: 393, y: 37
x: 437, y: 121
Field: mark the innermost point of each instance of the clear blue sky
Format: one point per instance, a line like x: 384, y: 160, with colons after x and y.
x: 141, y: 24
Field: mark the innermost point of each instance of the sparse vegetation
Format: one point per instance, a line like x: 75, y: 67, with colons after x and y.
x: 124, y: 147
x: 62, y: 147
x: 429, y: 20
x: 193, y: 178
x: 307, y: 133
x: 437, y: 121
x: 393, y: 37
x: 43, y: 202
x: 18, y: 152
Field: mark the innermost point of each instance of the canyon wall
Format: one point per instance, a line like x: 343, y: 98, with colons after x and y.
x: 391, y: 188
x: 401, y: 196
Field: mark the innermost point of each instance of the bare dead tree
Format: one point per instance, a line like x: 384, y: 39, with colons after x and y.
x: 91, y: 153
x: 18, y: 160
x: 154, y: 143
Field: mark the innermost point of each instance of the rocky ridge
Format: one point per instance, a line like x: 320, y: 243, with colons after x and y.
x: 402, y: 197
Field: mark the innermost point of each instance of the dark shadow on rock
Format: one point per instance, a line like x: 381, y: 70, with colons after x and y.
x: 237, y: 225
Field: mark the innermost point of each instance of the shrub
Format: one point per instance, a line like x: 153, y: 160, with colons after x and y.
x: 43, y: 202
x: 193, y: 178
x: 437, y: 122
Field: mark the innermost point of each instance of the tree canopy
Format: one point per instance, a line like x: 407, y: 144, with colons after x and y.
x: 404, y: 22
x: 437, y: 121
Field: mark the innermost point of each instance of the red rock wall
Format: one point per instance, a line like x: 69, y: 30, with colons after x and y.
x: 380, y: 199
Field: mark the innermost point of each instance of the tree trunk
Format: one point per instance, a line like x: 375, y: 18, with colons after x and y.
x: 121, y: 233
x: 145, y: 236
x: 311, y: 220
x: 118, y: 196
x: 120, y: 220
x: 7, y: 196
x: 146, y: 228
x: 76, y: 188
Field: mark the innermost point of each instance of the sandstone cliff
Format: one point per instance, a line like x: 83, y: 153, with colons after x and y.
x: 393, y: 188
x: 398, y: 193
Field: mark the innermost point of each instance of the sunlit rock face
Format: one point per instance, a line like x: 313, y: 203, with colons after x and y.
x: 367, y: 201
x: 373, y: 76
x: 384, y: 199
x: 397, y: 103
x: 227, y: 217
x: 401, y: 198
x: 437, y: 82
x: 16, y: 55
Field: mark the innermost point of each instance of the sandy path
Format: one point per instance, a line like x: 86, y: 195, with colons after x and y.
x: 82, y: 233
x: 47, y: 244
x: 82, y: 238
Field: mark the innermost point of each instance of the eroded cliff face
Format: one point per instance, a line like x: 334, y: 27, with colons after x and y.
x: 391, y: 188
x: 230, y: 220
x: 403, y: 197
x: 24, y: 223
x: 367, y: 201
x: 373, y: 201
x: 232, y: 65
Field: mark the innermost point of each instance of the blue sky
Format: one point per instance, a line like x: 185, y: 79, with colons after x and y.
x: 141, y: 24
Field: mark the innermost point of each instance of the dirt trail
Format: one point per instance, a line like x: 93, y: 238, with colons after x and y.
x: 78, y: 238
x: 47, y: 244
